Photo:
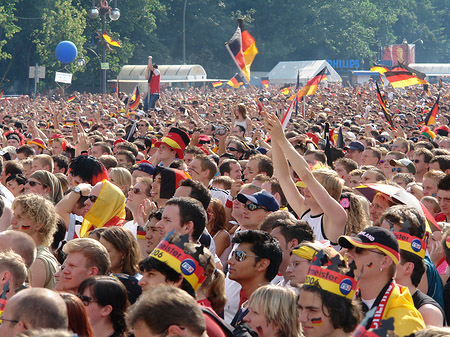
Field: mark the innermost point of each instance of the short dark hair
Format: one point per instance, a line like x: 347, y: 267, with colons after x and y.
x: 191, y: 210
x: 443, y: 161
x: 265, y: 247
x: 419, y: 265
x: 299, y: 230
x: 26, y: 150
x: 225, y: 166
x: 198, y: 191
x: 427, y: 154
x: 12, y: 168
x: 61, y: 161
x: 105, y: 147
x: 344, y: 313
x: 444, y: 183
x: 128, y: 146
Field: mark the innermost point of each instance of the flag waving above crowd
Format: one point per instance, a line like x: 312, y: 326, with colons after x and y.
x: 243, y: 49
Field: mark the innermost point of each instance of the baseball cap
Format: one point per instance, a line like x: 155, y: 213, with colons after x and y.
x: 262, y: 198
x: 373, y: 237
x: 355, y: 146
x: 145, y: 167
x: 405, y: 162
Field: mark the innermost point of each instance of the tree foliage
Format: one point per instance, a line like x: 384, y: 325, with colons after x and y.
x: 283, y: 30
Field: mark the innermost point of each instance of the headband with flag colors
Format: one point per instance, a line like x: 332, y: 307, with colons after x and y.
x: 415, y: 244
x: 171, y: 252
x: 325, y: 273
x: 110, y: 41
x: 243, y: 49
x: 235, y: 82
x: 431, y: 116
x: 402, y: 76
x: 135, y: 99
x: 382, y: 102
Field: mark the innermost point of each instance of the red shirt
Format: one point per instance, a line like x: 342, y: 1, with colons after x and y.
x: 154, y: 82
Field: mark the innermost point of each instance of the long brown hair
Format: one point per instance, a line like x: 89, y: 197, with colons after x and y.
x: 216, y: 218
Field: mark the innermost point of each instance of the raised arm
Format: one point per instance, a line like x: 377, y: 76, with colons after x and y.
x: 335, y: 217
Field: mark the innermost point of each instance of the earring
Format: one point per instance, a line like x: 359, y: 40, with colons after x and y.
x: 381, y: 269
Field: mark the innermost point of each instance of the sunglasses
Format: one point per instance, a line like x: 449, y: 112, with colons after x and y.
x: 142, y: 125
x: 136, y: 190
x: 240, y: 255
x: 398, y: 169
x: 231, y: 149
x: 253, y: 207
x: 86, y: 300
x: 92, y: 198
x: 33, y: 183
x: 359, y: 250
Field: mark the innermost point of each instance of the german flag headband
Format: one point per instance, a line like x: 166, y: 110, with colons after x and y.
x: 172, y: 253
x: 410, y: 243
x: 324, y: 273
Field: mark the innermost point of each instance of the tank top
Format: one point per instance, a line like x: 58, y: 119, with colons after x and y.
x: 51, y: 265
x: 316, y: 223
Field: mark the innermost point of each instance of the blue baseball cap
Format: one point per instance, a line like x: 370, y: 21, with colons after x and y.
x: 263, y: 198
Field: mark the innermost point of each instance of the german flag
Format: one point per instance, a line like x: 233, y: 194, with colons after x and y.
x: 286, y: 90
x: 431, y: 117
x: 402, y: 76
x: 265, y: 83
x: 135, y: 99
x: 216, y: 84
x: 71, y: 98
x: 384, y: 108
x: 311, y: 87
x: 243, y: 49
x: 235, y: 82
x: 111, y: 41
x: 379, y: 69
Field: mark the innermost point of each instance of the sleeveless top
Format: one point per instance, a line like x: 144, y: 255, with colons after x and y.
x: 316, y: 223
x: 421, y: 299
x: 51, y: 265
x: 243, y: 124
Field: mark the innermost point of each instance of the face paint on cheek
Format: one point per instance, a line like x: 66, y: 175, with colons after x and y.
x: 316, y: 321
x: 259, y: 330
x: 25, y: 227
x: 370, y: 265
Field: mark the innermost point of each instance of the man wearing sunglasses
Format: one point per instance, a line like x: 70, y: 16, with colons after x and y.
x: 376, y: 253
x: 253, y: 264
x: 255, y: 208
x: 421, y: 159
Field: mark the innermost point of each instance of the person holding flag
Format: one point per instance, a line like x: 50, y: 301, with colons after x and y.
x: 153, y: 76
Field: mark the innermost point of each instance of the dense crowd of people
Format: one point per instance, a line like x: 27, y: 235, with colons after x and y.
x: 202, y: 216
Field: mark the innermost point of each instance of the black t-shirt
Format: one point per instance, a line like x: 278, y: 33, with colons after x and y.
x: 420, y: 299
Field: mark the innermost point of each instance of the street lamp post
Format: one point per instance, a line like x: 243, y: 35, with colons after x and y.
x: 114, y: 14
x: 184, y: 32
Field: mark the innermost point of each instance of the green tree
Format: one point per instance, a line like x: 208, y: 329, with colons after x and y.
x: 63, y: 21
x: 7, y: 25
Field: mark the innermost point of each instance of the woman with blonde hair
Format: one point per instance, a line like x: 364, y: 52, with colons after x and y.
x: 273, y: 312
x: 357, y: 216
x: 121, y: 177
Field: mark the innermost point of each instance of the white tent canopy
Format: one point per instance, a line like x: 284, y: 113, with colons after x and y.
x: 131, y: 75
x: 286, y: 72
x: 432, y: 69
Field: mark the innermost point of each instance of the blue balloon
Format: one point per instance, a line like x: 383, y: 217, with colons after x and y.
x: 66, y: 51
